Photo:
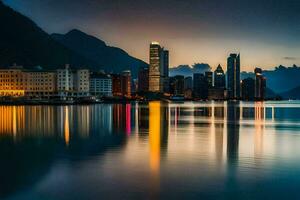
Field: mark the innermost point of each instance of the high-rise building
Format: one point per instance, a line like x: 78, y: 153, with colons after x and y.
x: 248, y: 89
x: 143, y: 80
x: 260, y: 84
x: 200, y: 86
x: 116, y: 85
x: 233, y: 76
x: 209, y: 79
x: 126, y: 83
x: 219, y: 78
x: 155, y: 80
x: 177, y: 85
x: 165, y: 68
x: 188, y: 83
x: 158, y: 69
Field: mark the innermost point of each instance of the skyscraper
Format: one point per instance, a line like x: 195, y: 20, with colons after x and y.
x: 260, y: 84
x: 248, y: 86
x: 143, y: 80
x: 233, y: 76
x: 158, y: 69
x: 209, y: 79
x: 126, y: 83
x: 200, y: 86
x: 165, y: 68
x: 177, y: 85
x: 219, y: 78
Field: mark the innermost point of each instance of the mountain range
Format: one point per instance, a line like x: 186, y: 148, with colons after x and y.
x: 24, y: 43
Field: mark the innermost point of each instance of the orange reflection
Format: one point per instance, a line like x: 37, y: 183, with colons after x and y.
x: 259, y: 125
x: 12, y: 120
x: 154, y: 135
x: 154, y: 139
x: 67, y: 127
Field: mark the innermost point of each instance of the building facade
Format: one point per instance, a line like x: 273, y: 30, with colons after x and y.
x: 233, y: 76
x: 260, y: 84
x: 158, y: 68
x: 100, y: 85
x: 200, y: 86
x: 209, y: 79
x: 248, y: 89
x: 73, y: 83
x: 219, y: 78
x: 40, y: 83
x: 126, y: 83
x: 143, y: 80
x: 177, y: 85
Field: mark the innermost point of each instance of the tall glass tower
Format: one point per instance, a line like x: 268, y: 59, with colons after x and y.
x: 233, y: 76
x: 159, y: 68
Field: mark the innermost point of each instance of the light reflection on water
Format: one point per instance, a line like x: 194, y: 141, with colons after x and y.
x: 218, y: 150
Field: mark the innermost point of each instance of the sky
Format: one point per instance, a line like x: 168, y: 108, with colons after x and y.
x: 265, y: 32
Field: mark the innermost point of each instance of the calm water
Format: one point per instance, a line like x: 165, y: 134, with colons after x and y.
x: 149, y: 151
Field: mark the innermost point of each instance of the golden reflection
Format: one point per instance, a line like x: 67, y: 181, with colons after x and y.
x: 67, y: 127
x: 12, y: 120
x: 154, y: 140
x: 259, y: 126
x: 154, y: 136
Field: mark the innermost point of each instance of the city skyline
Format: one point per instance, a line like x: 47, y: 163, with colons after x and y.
x: 265, y: 40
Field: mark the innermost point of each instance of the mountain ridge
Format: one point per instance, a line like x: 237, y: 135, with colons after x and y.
x: 23, y: 42
x: 110, y: 59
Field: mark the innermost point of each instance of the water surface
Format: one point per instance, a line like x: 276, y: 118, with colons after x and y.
x: 211, y: 150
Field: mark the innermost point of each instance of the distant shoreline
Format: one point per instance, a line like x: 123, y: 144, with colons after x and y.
x: 114, y: 101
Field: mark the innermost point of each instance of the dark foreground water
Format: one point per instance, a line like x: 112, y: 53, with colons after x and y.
x: 150, y: 151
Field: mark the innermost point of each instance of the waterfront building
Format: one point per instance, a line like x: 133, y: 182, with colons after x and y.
x: 219, y: 78
x: 116, y: 85
x: 73, y: 83
x: 260, y: 84
x: 177, y: 85
x: 82, y: 82
x: 188, y: 83
x: 65, y: 80
x: 209, y: 79
x: 200, y: 86
x: 39, y: 83
x: 233, y: 76
x: 16, y: 81
x: 11, y: 82
x: 216, y: 94
x: 165, y: 69
x: 158, y: 69
x: 101, y: 84
x: 143, y: 80
x: 126, y: 83
x: 248, y: 89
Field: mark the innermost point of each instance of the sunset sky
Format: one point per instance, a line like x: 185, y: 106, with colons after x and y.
x: 265, y: 32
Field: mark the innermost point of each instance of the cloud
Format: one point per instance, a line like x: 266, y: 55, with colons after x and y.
x: 290, y: 58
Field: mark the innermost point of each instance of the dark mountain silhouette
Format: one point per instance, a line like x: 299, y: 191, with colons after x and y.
x: 291, y: 94
x: 187, y: 70
x: 110, y: 59
x: 24, y: 43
